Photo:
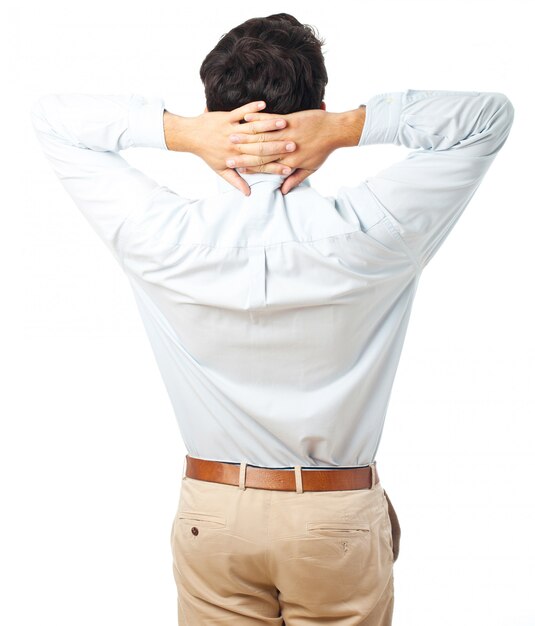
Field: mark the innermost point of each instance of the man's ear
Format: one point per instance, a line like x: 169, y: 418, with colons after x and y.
x: 206, y: 109
x: 323, y: 106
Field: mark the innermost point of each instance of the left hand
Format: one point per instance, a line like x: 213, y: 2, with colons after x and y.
x: 207, y: 136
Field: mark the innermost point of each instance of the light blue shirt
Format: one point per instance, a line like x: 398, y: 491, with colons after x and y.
x: 277, y: 322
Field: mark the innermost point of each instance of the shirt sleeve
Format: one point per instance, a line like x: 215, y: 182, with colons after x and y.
x: 457, y: 135
x: 82, y: 135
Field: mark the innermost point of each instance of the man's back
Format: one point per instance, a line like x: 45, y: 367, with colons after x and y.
x: 277, y: 320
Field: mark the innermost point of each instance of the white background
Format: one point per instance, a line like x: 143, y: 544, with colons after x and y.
x: 90, y: 453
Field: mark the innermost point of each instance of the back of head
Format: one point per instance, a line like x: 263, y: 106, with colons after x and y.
x: 275, y: 58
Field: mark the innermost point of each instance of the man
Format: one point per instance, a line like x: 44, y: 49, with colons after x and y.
x: 277, y: 317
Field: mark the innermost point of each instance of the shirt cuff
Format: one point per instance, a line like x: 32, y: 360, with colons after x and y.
x: 145, y: 122
x: 383, y: 113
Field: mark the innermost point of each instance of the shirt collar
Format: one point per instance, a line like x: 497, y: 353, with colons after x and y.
x: 272, y: 180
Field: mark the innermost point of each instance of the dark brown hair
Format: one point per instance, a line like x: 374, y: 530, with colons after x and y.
x: 275, y: 58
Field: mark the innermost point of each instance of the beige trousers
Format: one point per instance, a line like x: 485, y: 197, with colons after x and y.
x: 254, y: 557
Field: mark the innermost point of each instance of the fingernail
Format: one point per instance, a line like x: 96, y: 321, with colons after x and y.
x: 286, y: 170
x: 260, y: 104
x: 280, y: 123
x: 289, y: 146
x: 231, y: 162
x: 242, y: 169
x: 247, y: 117
x: 234, y: 138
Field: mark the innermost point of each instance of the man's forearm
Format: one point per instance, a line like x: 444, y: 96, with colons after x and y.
x: 179, y: 132
x: 347, y: 127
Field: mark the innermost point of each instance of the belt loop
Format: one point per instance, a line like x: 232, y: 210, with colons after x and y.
x: 243, y: 467
x: 184, y: 467
x: 298, y: 479
x: 372, y: 468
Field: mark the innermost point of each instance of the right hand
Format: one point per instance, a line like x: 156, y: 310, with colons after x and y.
x: 311, y: 131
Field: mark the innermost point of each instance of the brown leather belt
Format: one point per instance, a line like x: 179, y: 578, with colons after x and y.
x: 282, y: 479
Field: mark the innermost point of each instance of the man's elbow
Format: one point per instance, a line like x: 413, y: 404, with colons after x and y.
x: 500, y: 121
x: 505, y: 110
